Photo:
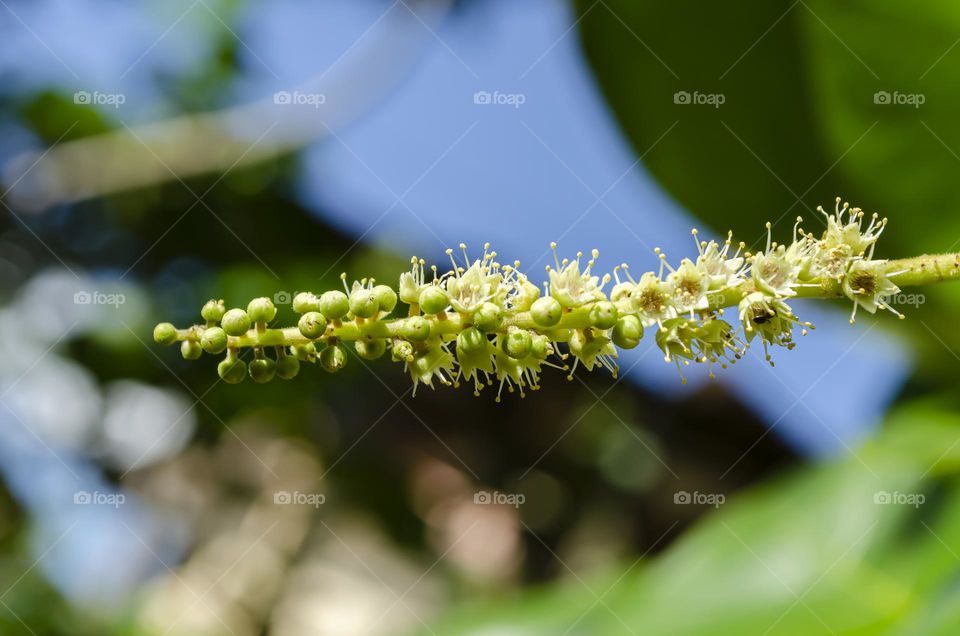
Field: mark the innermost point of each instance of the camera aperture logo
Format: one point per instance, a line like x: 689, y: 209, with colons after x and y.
x: 297, y: 498
x: 896, y: 98
x: 896, y: 498
x: 485, y: 498
x: 297, y: 98
x: 496, y: 98
x: 97, y: 498
x: 697, y: 498
x: 96, y: 98
x: 84, y: 297
x: 696, y: 98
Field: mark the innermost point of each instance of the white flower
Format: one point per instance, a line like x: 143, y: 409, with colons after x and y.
x: 652, y: 299
x: 850, y: 231
x: 688, y: 285
x: 471, y: 288
x: 722, y: 269
x: 868, y: 284
x: 572, y: 288
x: 775, y: 272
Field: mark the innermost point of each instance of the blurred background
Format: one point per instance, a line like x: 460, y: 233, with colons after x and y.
x: 155, y: 154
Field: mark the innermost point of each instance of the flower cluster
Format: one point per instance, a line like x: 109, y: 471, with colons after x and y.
x: 484, y: 323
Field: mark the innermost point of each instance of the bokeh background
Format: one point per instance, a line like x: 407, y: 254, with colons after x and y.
x: 154, y: 154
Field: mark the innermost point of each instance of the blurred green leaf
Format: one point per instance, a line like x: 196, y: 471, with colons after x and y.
x: 811, y: 553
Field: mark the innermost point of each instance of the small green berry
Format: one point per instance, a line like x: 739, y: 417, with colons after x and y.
x: 334, y: 304
x: 517, y: 343
x: 603, y: 315
x: 232, y: 370
x: 262, y: 370
x: 213, y: 311
x: 261, y: 310
x: 190, y: 350
x: 333, y: 358
x: 165, y: 333
x: 287, y: 367
x: 386, y: 297
x: 363, y: 303
x: 371, y: 349
x: 401, y: 351
x: 213, y: 340
x: 471, y: 341
x: 306, y: 301
x: 415, y: 328
x: 546, y: 311
x: 312, y: 324
x: 433, y: 300
x: 628, y: 332
x: 235, y: 322
x: 488, y: 317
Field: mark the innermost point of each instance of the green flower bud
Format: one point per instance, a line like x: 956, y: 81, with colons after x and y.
x: 627, y: 332
x: 213, y: 340
x: 488, y: 317
x: 370, y: 349
x: 603, y: 315
x: 401, y: 351
x: 235, y: 322
x: 271, y: 338
x: 165, y: 333
x: 312, y: 324
x: 415, y: 328
x: 213, y: 311
x: 287, y: 367
x: 333, y: 358
x: 471, y: 341
x: 541, y: 348
x: 233, y: 370
x: 546, y: 311
x: 363, y: 303
x: 262, y: 370
x: 528, y: 294
x: 517, y: 343
x: 433, y: 300
x: 190, y: 350
x: 386, y: 297
x: 306, y: 352
x: 261, y: 310
x: 334, y: 304
x: 306, y: 301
